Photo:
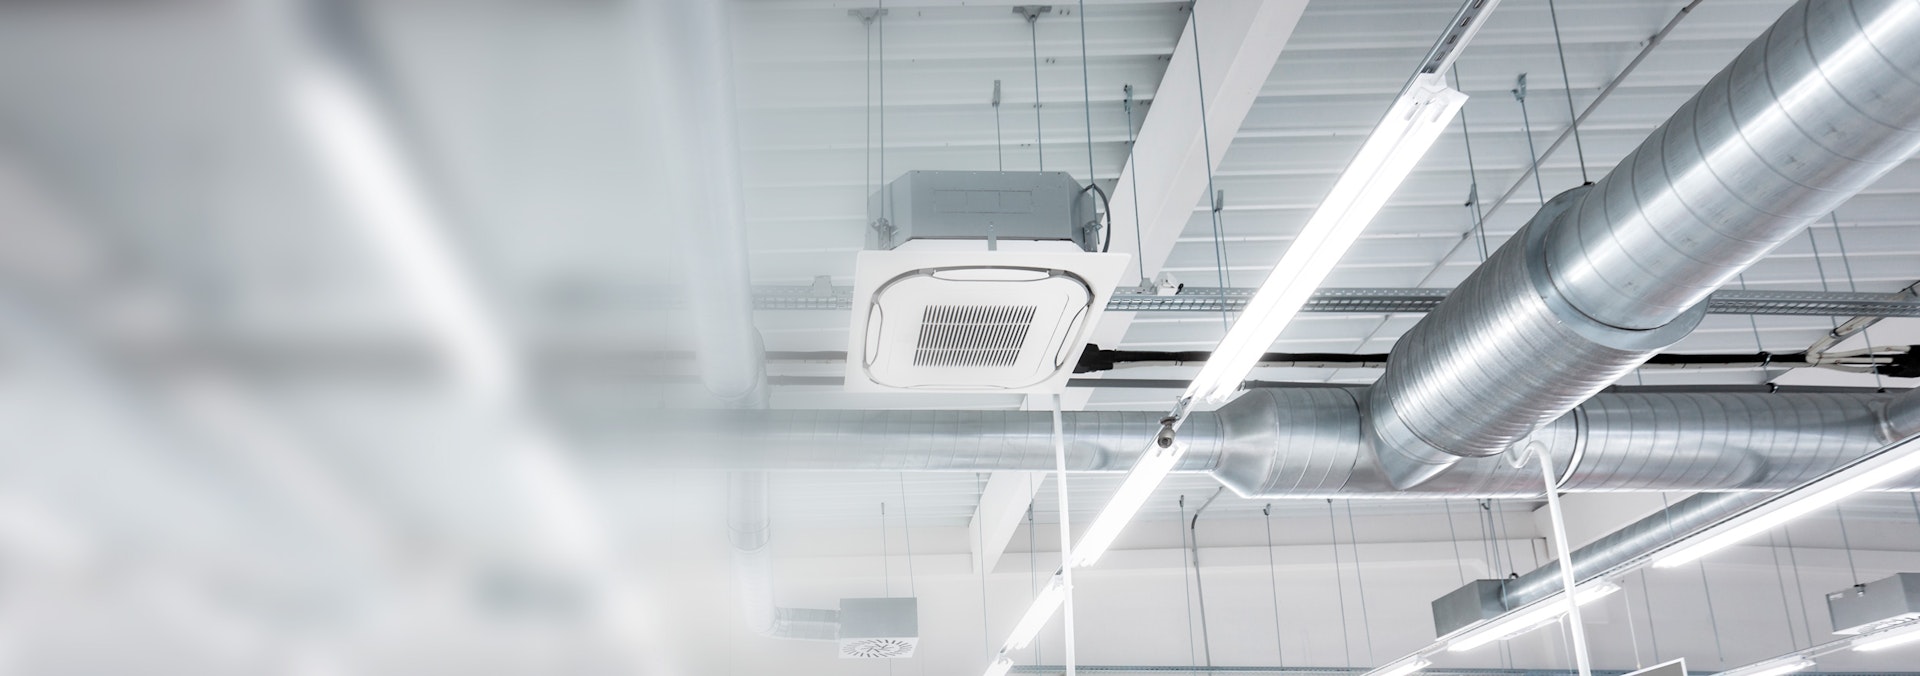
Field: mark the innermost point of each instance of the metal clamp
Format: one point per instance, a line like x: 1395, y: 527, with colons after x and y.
x: 885, y: 230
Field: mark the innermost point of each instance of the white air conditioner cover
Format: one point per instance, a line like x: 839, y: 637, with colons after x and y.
x: 980, y: 321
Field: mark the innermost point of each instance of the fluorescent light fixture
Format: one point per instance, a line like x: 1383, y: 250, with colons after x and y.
x: 1893, y: 462
x: 1527, y: 619
x: 1389, y: 154
x: 1037, y: 614
x: 999, y: 667
x: 1891, y: 639
x: 1403, y: 667
x: 361, y: 156
x: 1146, y: 475
x: 1772, y: 668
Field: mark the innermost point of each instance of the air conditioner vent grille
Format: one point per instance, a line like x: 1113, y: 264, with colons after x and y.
x: 972, y: 335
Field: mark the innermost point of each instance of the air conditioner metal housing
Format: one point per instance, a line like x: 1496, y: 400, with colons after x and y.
x: 879, y: 627
x: 972, y: 206
x: 1875, y: 605
x: 1472, y: 604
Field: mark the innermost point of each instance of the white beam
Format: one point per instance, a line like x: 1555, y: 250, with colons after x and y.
x: 1003, y: 503
x: 1239, y: 42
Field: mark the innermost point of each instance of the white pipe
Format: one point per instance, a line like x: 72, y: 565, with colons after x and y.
x: 1576, y: 626
x: 1066, y: 533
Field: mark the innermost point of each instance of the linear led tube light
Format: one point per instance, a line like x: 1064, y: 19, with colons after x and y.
x: 1772, y: 668
x: 1891, y: 463
x: 1146, y: 475
x: 999, y: 667
x: 1037, y: 614
x: 362, y: 157
x: 1891, y: 639
x: 1403, y: 667
x: 1389, y: 154
x: 1533, y: 617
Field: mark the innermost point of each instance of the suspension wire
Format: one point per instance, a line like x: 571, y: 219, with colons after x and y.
x: 886, y: 200
x: 1758, y: 346
x: 1200, y: 589
x: 1847, y: 544
x: 1033, y: 582
x: 1206, y: 146
x: 999, y: 151
x: 1500, y: 541
x: 1186, y: 584
x: 1713, y: 620
x: 1086, y: 89
x: 1218, y: 201
x: 906, y: 530
x: 1599, y: 98
x: 1633, y: 635
x: 1273, y: 584
x: 906, y: 527
x: 1667, y: 509
x: 866, y: 157
x: 1458, y: 561
x: 1847, y: 265
x: 1139, y: 248
x: 1476, y: 226
x: 1799, y: 591
x: 1492, y: 553
x: 1360, y: 582
x: 1033, y: 37
x: 1478, y: 217
x: 1820, y: 266
x: 1915, y: 499
x: 886, y: 554
x: 1340, y: 585
x: 1533, y: 157
x: 1554, y: 14
x: 1653, y: 633
x: 980, y: 545
x: 1780, y: 577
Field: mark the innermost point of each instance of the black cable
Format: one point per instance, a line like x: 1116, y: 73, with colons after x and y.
x: 1095, y: 359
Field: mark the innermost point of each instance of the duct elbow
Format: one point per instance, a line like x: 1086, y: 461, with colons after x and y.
x: 1900, y: 420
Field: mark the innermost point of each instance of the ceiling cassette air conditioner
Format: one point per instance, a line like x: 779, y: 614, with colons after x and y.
x: 983, y: 283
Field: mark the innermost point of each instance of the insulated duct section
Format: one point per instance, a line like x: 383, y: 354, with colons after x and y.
x: 1900, y: 420
x: 1637, y: 540
x: 1301, y: 442
x: 1486, y: 599
x: 691, y: 62
x: 749, y: 530
x: 1812, y: 112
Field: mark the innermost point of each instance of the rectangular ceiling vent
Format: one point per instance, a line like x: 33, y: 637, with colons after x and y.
x: 977, y: 282
x: 972, y: 335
